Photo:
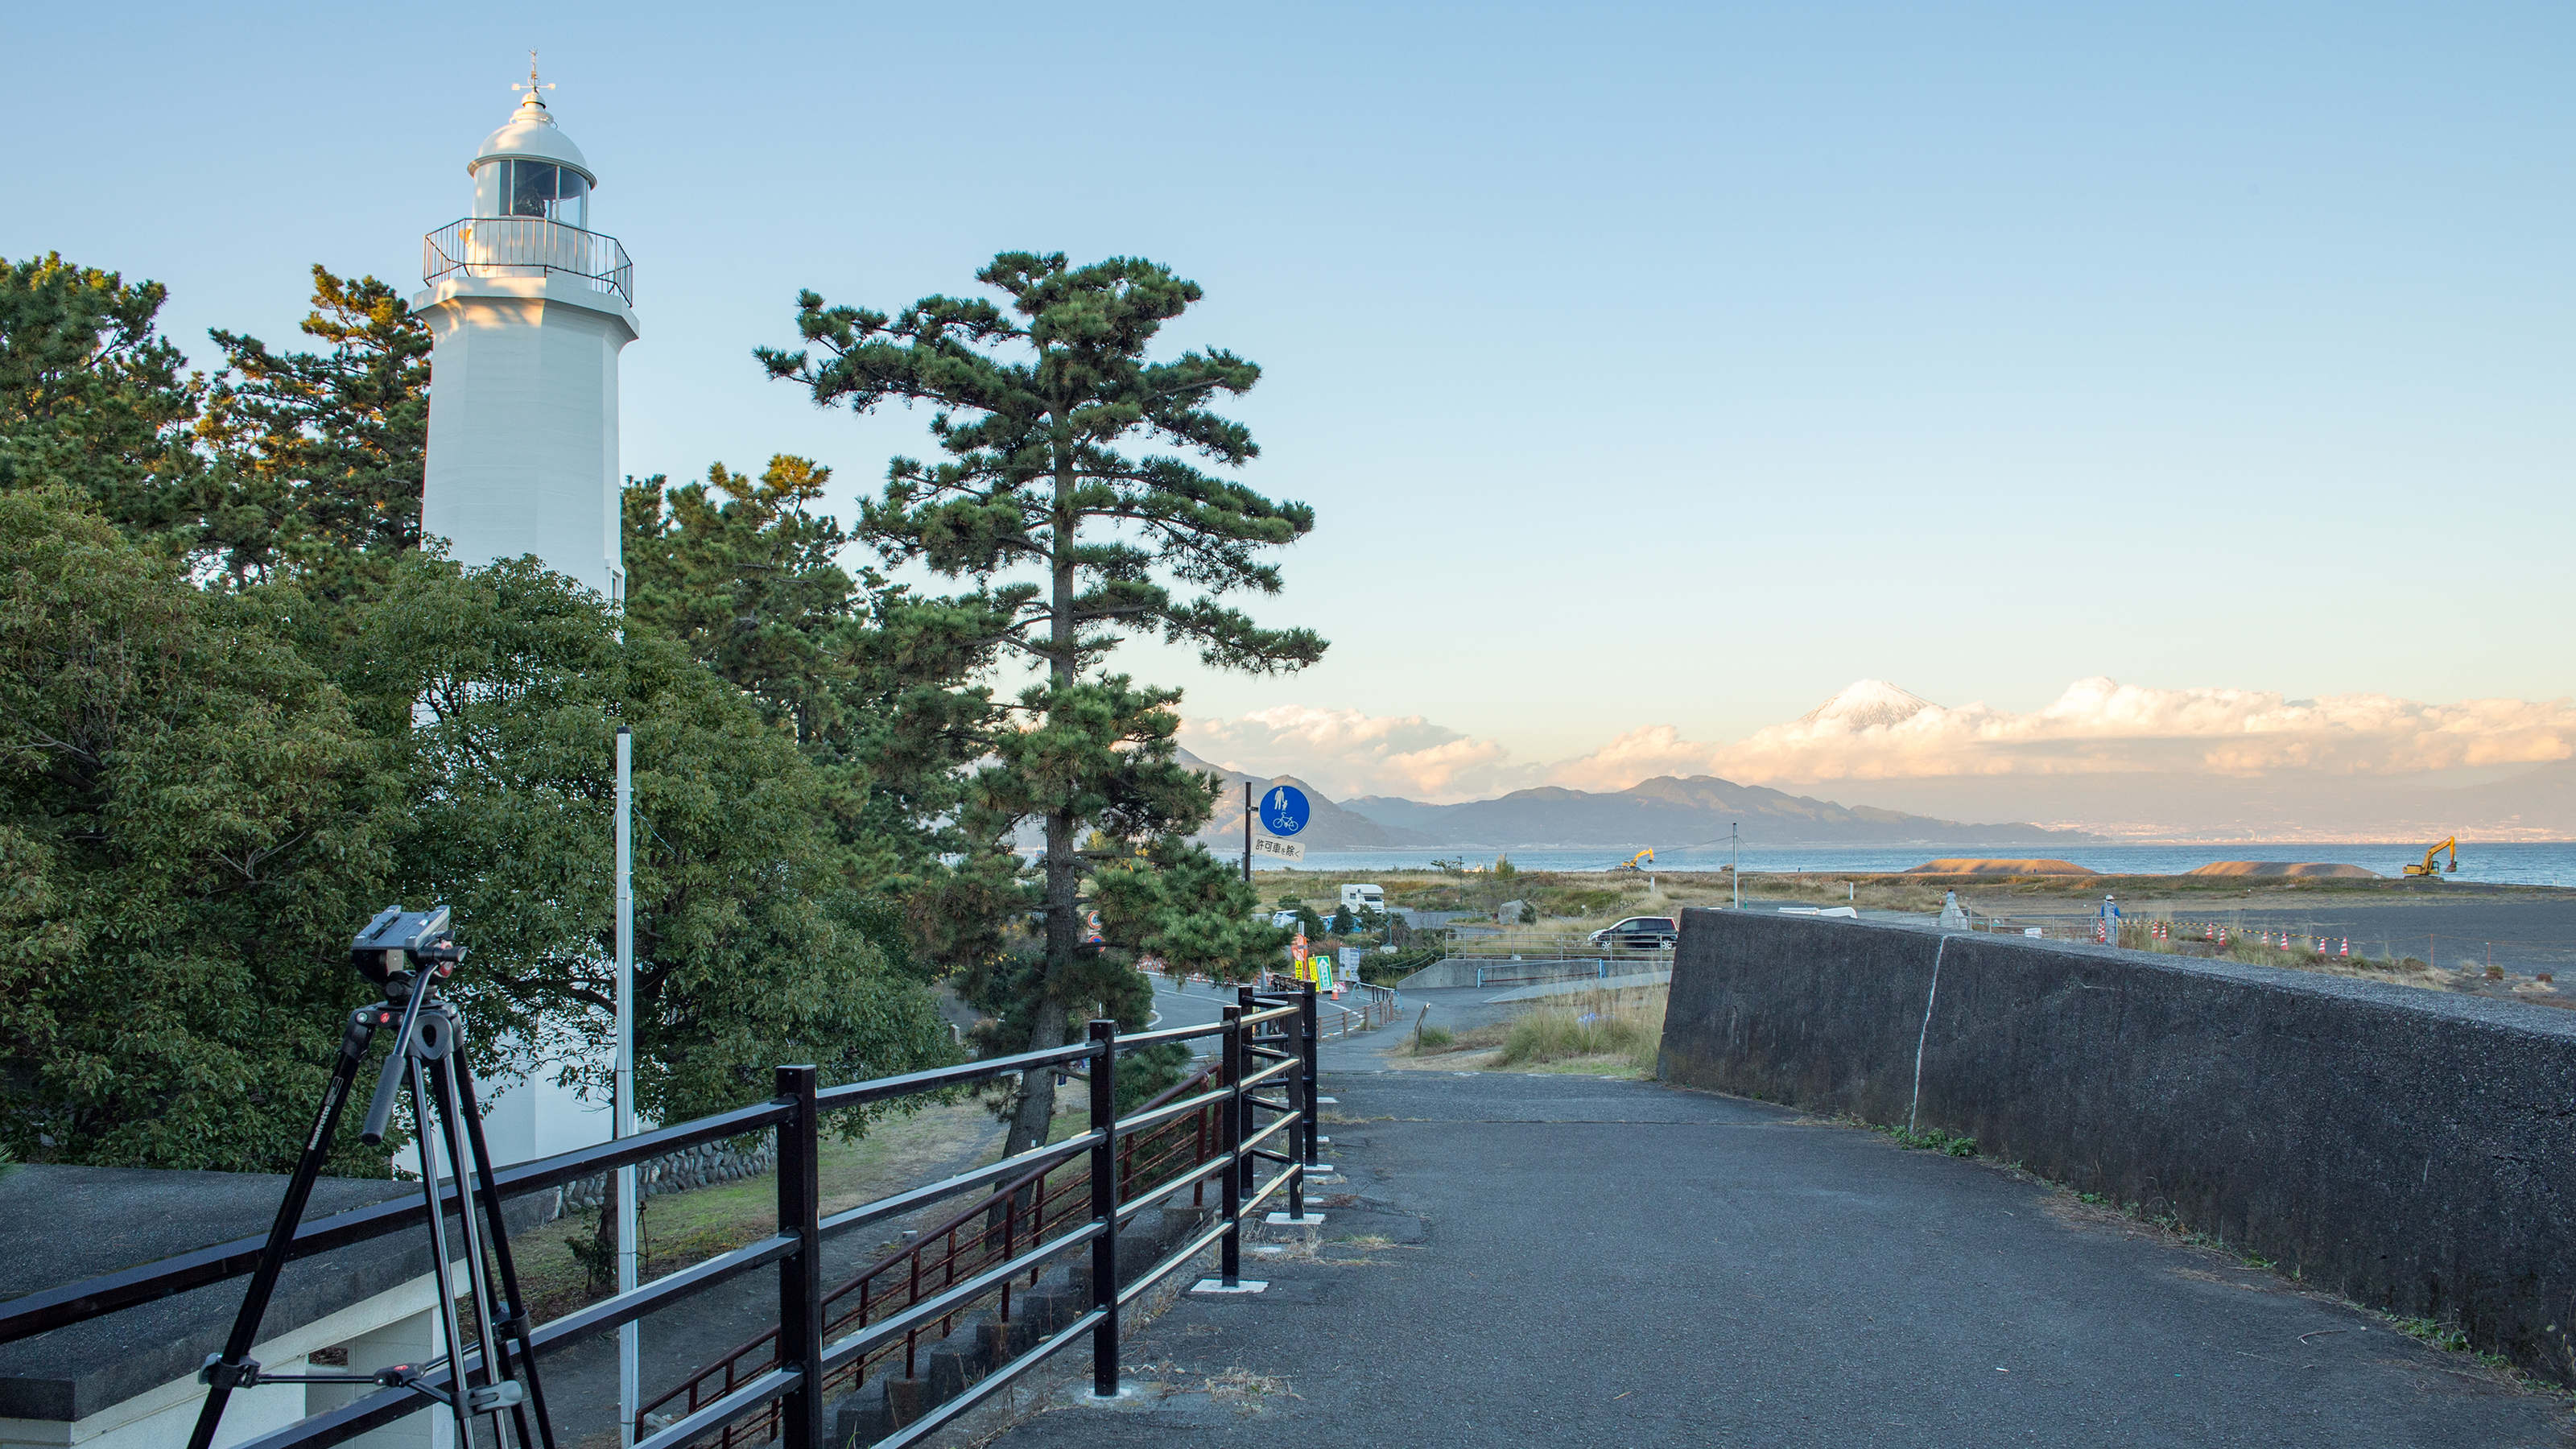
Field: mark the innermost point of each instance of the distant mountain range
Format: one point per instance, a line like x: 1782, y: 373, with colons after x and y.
x: 1665, y: 813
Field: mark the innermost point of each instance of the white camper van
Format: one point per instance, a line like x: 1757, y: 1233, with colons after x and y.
x: 1356, y: 898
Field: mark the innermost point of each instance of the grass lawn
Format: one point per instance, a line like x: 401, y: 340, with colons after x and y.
x: 682, y: 1228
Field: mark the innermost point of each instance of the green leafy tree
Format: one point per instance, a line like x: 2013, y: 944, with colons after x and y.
x: 191, y: 822
x: 204, y: 790
x: 873, y: 684
x: 511, y: 679
x: 1039, y: 405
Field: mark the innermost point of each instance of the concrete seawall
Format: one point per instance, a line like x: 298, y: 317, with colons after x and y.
x: 2411, y: 1150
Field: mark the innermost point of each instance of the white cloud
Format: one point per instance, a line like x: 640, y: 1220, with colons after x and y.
x: 2096, y: 727
x: 1345, y: 753
x: 2100, y: 726
x: 1640, y: 754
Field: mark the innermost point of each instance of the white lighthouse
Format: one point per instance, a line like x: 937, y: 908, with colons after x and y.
x: 529, y: 309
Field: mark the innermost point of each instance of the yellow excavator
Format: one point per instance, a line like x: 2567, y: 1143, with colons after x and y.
x: 1639, y: 861
x: 2428, y: 868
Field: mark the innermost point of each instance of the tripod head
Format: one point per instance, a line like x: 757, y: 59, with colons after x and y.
x: 406, y: 952
x: 399, y: 942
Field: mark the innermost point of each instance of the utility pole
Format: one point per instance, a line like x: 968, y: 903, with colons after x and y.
x: 629, y: 1343
x: 1247, y: 832
x: 1735, y: 862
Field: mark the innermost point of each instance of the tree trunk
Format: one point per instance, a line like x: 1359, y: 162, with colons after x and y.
x: 605, y: 1237
x: 1063, y: 916
x: 1037, y: 1089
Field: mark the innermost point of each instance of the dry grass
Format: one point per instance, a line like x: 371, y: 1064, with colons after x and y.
x: 1601, y: 1032
x: 1586, y: 900
x: 1439, y: 1041
x: 1620, y: 1028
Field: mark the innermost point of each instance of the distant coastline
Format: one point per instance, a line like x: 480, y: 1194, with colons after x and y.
x: 2539, y: 863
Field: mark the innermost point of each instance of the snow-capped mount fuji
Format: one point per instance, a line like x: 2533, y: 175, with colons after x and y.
x: 1867, y: 704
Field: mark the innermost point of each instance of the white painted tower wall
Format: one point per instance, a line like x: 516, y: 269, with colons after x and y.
x: 523, y: 423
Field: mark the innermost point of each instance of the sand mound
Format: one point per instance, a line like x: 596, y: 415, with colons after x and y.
x: 1974, y: 865
x: 2310, y: 868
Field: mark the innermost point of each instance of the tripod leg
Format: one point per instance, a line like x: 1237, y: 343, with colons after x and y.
x: 457, y: 1383
x: 227, y: 1371
x: 478, y: 1266
x: 520, y: 1326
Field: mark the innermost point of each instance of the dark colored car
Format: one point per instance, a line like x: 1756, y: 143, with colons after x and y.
x: 1641, y: 933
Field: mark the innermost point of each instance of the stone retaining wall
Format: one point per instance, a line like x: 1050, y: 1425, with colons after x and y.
x: 2409, y: 1149
x: 702, y: 1166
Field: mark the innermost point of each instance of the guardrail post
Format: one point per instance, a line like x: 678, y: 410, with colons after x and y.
x: 1104, y: 1208
x: 1248, y: 999
x: 800, y: 1274
x: 1307, y: 1048
x: 1230, y: 1255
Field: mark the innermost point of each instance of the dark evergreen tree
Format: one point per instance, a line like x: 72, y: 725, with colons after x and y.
x: 874, y: 684
x: 1038, y: 406
x: 318, y: 456
x: 94, y: 399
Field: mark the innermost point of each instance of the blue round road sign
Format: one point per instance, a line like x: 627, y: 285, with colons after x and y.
x: 1284, y: 810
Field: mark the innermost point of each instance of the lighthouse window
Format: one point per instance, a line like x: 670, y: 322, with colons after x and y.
x: 540, y: 188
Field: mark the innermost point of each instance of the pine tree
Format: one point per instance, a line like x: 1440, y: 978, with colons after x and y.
x: 873, y: 683
x: 93, y: 397
x: 319, y: 456
x: 1038, y: 477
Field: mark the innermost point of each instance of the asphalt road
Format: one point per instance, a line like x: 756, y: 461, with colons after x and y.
x: 1553, y: 1260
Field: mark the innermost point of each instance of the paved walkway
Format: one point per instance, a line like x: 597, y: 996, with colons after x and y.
x: 1553, y: 1260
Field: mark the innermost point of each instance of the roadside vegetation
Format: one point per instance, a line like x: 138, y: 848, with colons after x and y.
x: 1600, y: 1033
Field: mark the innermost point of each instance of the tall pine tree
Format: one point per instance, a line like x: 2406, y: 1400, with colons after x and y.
x: 1040, y: 406
x: 94, y: 398
x: 319, y: 456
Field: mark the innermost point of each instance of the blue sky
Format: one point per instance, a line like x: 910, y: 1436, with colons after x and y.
x: 1648, y: 366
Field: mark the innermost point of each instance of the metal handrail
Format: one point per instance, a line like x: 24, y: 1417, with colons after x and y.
x: 41, y: 1312
x: 789, y: 1389
x: 1139, y: 1184
x: 518, y: 246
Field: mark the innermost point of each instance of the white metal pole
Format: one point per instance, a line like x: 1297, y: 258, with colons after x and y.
x: 629, y: 1341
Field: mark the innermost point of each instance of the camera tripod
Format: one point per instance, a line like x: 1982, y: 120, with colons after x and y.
x: 408, y: 953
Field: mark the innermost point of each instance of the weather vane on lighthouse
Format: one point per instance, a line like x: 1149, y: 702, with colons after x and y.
x: 532, y: 87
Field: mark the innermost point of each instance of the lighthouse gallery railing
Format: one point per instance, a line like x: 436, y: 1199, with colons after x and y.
x: 524, y: 246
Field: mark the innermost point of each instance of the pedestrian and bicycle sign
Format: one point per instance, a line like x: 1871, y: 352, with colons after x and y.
x: 1281, y: 812
x: 1284, y: 810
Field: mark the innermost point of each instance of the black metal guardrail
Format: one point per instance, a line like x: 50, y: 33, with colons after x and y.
x: 1268, y: 1039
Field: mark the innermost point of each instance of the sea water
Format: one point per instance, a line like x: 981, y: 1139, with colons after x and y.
x: 2547, y: 863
